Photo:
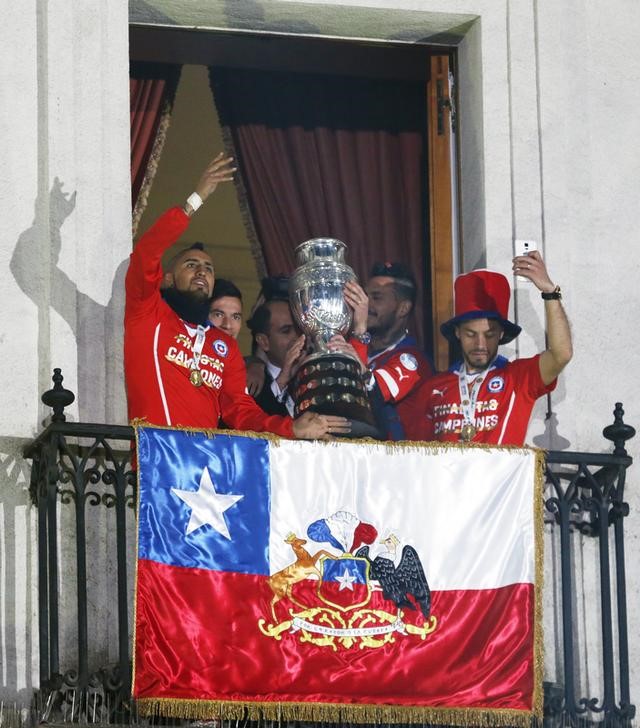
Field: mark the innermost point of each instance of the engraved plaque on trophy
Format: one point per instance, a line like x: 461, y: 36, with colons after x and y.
x: 327, y: 382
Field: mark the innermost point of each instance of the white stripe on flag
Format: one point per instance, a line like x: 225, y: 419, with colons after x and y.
x: 468, y: 512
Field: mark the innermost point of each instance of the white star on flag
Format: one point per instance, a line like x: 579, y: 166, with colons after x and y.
x: 346, y: 580
x: 207, y: 506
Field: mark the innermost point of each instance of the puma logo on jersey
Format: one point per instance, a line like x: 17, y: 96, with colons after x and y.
x: 439, y: 392
x: 401, y: 376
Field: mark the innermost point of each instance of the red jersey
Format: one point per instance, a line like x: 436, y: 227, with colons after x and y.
x: 398, y: 372
x: 503, y: 407
x: 158, y: 352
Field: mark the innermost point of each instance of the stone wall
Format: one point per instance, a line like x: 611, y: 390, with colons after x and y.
x: 65, y: 207
x: 548, y: 151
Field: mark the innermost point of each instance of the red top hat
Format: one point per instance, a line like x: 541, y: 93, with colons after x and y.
x: 481, y: 294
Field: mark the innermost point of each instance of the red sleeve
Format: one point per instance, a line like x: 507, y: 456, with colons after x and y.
x: 145, y: 264
x: 362, y: 350
x: 239, y: 410
x: 400, y: 374
x: 527, y: 377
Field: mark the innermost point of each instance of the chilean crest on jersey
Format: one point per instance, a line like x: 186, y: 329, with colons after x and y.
x: 220, y: 347
x: 409, y: 361
x: 495, y: 384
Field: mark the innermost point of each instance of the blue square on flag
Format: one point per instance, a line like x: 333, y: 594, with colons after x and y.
x: 211, y: 501
x: 344, y: 582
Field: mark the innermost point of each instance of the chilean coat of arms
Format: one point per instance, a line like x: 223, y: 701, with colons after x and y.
x: 353, y: 589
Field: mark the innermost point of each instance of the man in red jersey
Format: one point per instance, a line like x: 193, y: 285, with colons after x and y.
x: 180, y: 371
x: 484, y: 397
x: 380, y: 336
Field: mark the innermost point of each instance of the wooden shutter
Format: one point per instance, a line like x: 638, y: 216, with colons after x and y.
x: 440, y: 203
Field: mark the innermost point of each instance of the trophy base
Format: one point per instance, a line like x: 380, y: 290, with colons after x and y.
x: 332, y: 384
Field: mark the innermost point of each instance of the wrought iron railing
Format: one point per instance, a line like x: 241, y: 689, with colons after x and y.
x: 89, y: 466
x: 84, y: 465
x: 586, y: 496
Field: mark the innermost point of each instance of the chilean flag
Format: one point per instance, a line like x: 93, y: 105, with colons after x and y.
x: 336, y: 581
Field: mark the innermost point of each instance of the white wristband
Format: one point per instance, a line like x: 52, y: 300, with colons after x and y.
x: 194, y: 201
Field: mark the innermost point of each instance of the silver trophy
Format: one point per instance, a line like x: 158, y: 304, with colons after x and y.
x: 327, y: 382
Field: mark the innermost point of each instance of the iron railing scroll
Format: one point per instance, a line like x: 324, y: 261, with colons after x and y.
x: 88, y: 466
x: 586, y: 497
x: 85, y: 466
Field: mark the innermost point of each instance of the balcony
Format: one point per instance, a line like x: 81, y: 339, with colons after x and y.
x: 84, y: 490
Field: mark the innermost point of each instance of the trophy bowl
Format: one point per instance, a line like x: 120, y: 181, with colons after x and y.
x: 327, y: 382
x: 315, y: 290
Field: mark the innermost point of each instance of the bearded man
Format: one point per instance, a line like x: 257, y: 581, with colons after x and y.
x: 396, y: 366
x: 180, y: 370
x: 484, y: 397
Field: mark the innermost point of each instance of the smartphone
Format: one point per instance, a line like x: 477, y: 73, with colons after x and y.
x: 524, y: 247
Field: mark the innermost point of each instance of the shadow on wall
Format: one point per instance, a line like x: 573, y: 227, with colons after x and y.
x: 98, y: 329
x: 551, y: 438
x: 18, y: 569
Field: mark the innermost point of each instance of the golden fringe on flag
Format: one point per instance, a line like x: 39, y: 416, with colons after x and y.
x: 538, y: 634
x: 332, y: 713
x: 397, y: 446
x: 190, y: 709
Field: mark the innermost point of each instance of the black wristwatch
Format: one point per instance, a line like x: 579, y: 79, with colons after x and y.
x: 555, y: 295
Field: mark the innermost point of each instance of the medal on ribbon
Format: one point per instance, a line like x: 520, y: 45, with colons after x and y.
x: 468, y: 400
x: 195, y: 376
x: 467, y: 432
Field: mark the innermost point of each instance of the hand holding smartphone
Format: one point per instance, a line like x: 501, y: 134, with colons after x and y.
x: 524, y: 247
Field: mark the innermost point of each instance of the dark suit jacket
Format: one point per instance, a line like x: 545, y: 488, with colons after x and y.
x: 267, y: 399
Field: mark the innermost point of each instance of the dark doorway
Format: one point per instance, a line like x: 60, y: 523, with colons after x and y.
x: 403, y: 64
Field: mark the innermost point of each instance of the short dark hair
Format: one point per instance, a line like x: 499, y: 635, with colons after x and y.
x: 222, y: 287
x: 171, y: 263
x: 260, y: 319
x: 404, y: 282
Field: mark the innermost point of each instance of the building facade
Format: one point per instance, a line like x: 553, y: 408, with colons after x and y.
x: 547, y: 151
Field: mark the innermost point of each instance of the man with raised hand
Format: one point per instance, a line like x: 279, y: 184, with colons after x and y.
x: 380, y: 335
x: 484, y: 397
x: 180, y: 371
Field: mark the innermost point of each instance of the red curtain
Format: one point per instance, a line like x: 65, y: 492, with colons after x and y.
x: 329, y: 156
x: 152, y: 89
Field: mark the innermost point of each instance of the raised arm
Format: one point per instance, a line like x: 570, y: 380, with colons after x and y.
x: 358, y: 301
x: 145, y: 268
x: 220, y: 169
x: 559, y: 347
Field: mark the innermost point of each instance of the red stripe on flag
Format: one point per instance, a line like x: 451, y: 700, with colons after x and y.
x: 197, y: 637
